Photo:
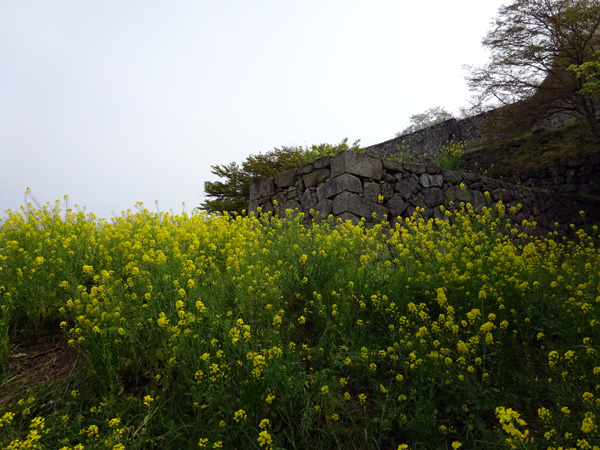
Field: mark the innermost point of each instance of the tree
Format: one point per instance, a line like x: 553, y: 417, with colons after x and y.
x: 590, y: 73
x: 532, y: 44
x: 227, y: 195
x: 425, y: 119
x: 232, y: 193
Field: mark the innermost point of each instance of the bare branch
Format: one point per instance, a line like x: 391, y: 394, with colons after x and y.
x: 532, y: 43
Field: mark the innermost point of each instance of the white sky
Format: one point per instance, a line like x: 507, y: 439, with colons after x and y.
x: 113, y: 102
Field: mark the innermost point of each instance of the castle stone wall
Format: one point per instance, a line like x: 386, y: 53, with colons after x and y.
x: 429, y: 140
x: 351, y: 185
x: 470, y: 130
x: 579, y: 175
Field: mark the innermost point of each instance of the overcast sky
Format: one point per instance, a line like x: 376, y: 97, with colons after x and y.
x: 118, y: 101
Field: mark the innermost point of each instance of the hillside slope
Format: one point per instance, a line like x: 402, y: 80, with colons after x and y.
x: 565, y: 160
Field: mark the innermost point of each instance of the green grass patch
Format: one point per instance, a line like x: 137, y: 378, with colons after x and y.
x: 531, y: 153
x: 448, y: 157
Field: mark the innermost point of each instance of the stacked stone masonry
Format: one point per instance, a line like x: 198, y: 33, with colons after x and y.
x: 578, y: 175
x: 352, y: 185
x: 429, y: 140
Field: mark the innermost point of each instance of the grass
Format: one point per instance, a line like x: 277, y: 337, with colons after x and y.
x: 194, y: 331
x: 449, y: 157
x: 532, y: 153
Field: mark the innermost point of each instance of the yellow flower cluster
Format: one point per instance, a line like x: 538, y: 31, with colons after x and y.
x: 250, y: 326
x: 510, y: 421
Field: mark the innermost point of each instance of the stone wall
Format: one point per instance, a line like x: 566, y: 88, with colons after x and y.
x: 429, y: 140
x: 351, y: 186
x: 470, y: 130
x: 578, y: 175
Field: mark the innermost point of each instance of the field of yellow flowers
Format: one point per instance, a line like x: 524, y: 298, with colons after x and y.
x: 197, y: 331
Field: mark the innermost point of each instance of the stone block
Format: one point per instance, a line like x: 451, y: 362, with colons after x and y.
x: 351, y: 217
x: 278, y: 200
x: 322, y: 163
x: 266, y: 208
x: 286, y: 179
x: 397, y: 205
x: 308, y: 199
x: 528, y: 198
x: 408, y: 186
x: 428, y: 180
x: 392, y: 166
x: 417, y: 201
x: 414, y: 168
x: 439, y: 214
x: 371, y: 191
x: 520, y: 217
x: 527, y: 211
x: 450, y: 195
x: 424, y: 212
x: 463, y: 195
x: 356, y: 164
x: 334, y: 186
x: 478, y: 199
x: 355, y: 204
x: 387, y: 191
x: 294, y: 205
x: 451, y: 176
x: 432, y: 197
x: 489, y: 184
x: 316, y: 177
x: 472, y: 177
x: 543, y: 222
x: 307, y: 168
x: 324, y: 207
x: 262, y: 187
x: 502, y: 195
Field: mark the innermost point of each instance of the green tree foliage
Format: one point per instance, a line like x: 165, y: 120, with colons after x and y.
x: 589, y: 71
x: 226, y: 195
x: 232, y: 192
x: 425, y: 119
x: 532, y: 44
